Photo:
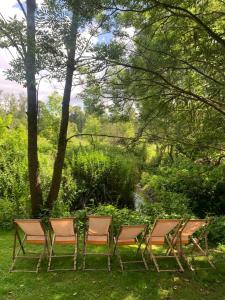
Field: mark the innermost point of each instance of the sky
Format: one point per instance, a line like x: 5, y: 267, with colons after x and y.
x: 10, y: 8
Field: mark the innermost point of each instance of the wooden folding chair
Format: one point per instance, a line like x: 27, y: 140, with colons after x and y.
x: 192, y: 234
x: 97, y: 232
x: 64, y: 232
x: 127, y: 236
x: 159, y: 236
x: 34, y: 233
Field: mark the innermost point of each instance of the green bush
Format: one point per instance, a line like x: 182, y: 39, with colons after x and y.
x: 203, y: 186
x: 170, y: 203
x: 103, y: 176
x: 123, y: 216
x: 7, y: 214
x: 14, y: 192
x: 217, y: 231
x: 147, y: 215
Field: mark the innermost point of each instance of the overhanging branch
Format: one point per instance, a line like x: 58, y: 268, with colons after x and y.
x: 22, y: 8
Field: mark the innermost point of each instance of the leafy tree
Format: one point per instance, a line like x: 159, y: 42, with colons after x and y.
x: 77, y: 116
x: 51, y: 48
x: 49, y: 117
x: 93, y: 102
x: 173, y: 71
x: 30, y: 63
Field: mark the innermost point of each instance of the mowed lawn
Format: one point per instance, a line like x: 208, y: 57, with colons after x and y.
x: 202, y: 284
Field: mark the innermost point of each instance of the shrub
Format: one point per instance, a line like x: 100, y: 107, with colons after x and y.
x: 217, y: 230
x: 14, y: 193
x: 123, y: 216
x: 202, y: 186
x: 146, y: 215
x: 103, y: 176
x: 7, y: 213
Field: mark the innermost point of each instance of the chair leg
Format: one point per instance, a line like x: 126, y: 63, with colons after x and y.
x: 109, y: 257
x: 145, y: 249
x: 75, y: 257
x: 21, y: 242
x: 114, y: 248
x: 188, y: 262
x: 15, y: 254
x: 139, y: 247
x: 51, y: 253
x: 175, y: 255
x: 117, y: 252
x: 152, y: 256
x: 144, y: 261
x: 204, y: 253
x: 84, y: 254
x: 39, y: 262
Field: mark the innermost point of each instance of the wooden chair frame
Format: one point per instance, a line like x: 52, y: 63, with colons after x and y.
x: 53, y: 242
x: 108, y: 244
x: 138, y: 243
x: 170, y: 252
x: 195, y: 241
x: 22, y: 241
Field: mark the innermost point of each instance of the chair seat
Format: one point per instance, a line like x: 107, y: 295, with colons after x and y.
x: 126, y: 241
x: 35, y: 239
x: 65, y: 239
x: 97, y: 239
x: 155, y: 240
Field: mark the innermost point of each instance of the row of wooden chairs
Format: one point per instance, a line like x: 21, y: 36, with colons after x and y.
x: 173, y: 233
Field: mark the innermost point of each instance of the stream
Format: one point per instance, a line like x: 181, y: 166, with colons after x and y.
x: 138, y: 201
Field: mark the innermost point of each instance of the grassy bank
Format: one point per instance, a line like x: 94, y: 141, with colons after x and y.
x: 202, y: 284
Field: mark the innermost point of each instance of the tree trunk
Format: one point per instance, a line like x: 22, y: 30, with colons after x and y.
x: 62, y: 140
x: 33, y: 165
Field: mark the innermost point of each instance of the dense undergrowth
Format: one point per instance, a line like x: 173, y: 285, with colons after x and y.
x: 100, y: 176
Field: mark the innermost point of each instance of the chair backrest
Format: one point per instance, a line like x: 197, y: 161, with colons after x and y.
x: 31, y: 227
x: 162, y: 227
x: 63, y: 226
x: 192, y: 226
x: 99, y: 225
x: 130, y: 231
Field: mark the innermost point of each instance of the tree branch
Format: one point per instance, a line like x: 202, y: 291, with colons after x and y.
x: 100, y: 135
x: 193, y: 96
x: 22, y: 8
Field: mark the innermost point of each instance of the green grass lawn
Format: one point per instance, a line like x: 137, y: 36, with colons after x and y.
x: 199, y: 285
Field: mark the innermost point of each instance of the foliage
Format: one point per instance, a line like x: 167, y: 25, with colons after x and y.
x: 91, y: 97
x: 49, y: 117
x: 216, y: 231
x: 7, y: 213
x: 180, y: 99
x: 92, y: 125
x: 14, y: 194
x: 77, y: 116
x: 168, y: 203
x: 200, y: 186
x: 103, y: 176
x: 121, y: 216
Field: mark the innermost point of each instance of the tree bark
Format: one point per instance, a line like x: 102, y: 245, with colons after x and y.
x: 62, y: 140
x: 33, y: 164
